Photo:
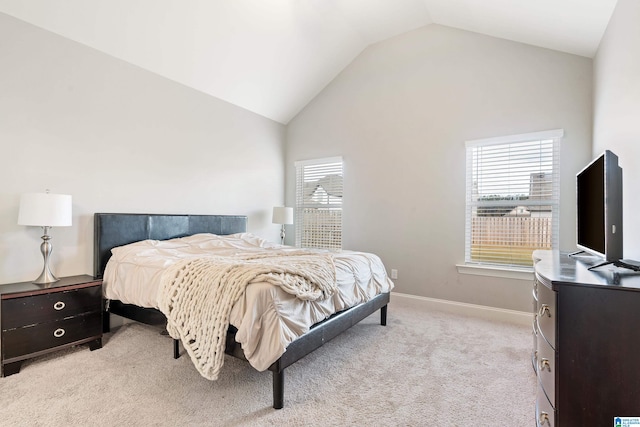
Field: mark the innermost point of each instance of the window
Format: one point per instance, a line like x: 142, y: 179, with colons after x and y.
x: 319, y: 203
x: 512, y: 198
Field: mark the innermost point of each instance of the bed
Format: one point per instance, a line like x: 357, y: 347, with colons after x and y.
x: 123, y: 233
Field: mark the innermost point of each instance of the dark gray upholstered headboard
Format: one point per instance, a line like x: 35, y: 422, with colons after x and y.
x: 117, y: 229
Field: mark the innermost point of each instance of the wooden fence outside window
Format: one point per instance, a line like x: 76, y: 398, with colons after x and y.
x: 509, y: 239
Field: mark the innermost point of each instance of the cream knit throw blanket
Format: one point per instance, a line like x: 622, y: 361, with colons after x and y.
x: 196, y: 295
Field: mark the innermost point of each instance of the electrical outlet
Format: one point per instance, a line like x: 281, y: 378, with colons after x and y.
x: 394, y: 273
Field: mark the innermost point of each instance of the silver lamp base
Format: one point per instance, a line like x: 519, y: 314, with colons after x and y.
x: 46, y: 276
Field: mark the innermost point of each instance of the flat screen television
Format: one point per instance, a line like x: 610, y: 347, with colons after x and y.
x: 599, y: 209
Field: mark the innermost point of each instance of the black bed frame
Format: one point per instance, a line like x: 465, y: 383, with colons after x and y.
x: 117, y: 229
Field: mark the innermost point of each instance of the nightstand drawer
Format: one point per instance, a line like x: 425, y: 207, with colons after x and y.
x: 30, y: 310
x: 31, y: 339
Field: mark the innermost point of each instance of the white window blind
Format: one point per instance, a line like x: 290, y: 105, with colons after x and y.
x: 512, y: 198
x: 319, y: 203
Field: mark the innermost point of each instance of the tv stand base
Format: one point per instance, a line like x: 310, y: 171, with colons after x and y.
x: 628, y: 263
x: 623, y: 263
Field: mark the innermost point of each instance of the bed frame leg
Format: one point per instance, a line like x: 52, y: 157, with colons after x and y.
x: 278, y: 389
x: 383, y: 315
x: 176, y: 348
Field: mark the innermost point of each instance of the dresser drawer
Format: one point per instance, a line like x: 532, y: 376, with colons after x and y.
x: 534, y: 354
x: 547, y: 314
x: 535, y: 334
x: 30, y: 310
x: 545, y: 414
x: 31, y: 339
x: 546, y: 369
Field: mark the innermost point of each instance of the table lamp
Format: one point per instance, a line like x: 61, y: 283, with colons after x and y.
x: 45, y: 210
x: 282, y: 215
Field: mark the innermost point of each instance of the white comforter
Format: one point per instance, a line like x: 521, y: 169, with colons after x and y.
x: 267, y: 318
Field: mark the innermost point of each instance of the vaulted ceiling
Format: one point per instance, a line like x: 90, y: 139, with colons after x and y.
x: 273, y: 56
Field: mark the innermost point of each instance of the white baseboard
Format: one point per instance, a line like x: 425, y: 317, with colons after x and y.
x: 482, y: 311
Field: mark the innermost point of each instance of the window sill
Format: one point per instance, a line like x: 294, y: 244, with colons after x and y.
x: 504, y: 272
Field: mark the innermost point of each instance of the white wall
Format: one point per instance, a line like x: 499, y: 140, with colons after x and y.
x: 617, y: 109
x: 399, y: 115
x: 119, y: 139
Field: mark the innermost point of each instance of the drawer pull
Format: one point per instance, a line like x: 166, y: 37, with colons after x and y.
x: 59, y: 305
x: 545, y: 309
x: 544, y: 363
x: 58, y: 332
x: 544, y: 419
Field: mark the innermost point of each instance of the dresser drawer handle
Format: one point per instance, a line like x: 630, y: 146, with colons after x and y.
x: 59, y: 305
x: 545, y: 309
x: 58, y: 332
x: 544, y: 363
x: 544, y: 419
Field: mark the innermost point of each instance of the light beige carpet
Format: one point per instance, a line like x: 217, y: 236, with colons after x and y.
x: 425, y: 368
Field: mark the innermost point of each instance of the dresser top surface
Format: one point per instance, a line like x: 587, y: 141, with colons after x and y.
x: 560, y: 269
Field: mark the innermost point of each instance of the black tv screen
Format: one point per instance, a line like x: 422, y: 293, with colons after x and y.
x: 599, y: 209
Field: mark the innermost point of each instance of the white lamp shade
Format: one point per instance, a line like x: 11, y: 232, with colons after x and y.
x: 45, y: 210
x: 282, y: 215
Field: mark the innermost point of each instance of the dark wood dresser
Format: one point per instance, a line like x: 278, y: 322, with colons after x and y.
x: 586, y: 341
x: 37, y: 319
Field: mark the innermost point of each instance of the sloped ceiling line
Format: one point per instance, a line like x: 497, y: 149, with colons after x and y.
x: 272, y: 57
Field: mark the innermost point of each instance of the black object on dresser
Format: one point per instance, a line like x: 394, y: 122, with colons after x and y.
x: 36, y: 319
x: 586, y: 341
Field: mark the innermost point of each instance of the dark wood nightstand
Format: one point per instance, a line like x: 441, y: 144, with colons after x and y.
x: 38, y: 319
